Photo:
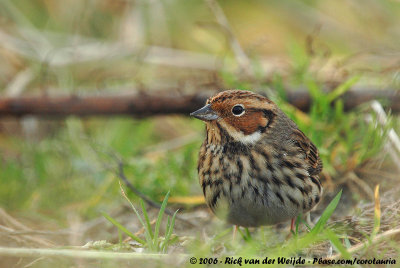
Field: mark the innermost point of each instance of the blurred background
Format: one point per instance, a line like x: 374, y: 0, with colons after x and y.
x: 57, y: 174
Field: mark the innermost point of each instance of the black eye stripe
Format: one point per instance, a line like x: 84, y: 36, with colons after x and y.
x: 237, y: 109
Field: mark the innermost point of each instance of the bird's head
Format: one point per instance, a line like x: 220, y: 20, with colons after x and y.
x: 243, y: 115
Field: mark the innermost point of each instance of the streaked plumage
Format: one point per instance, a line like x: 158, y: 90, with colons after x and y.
x: 255, y: 166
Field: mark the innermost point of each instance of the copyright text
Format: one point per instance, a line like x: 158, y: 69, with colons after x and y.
x: 291, y: 261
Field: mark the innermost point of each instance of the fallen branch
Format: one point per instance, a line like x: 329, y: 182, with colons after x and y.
x: 142, y: 105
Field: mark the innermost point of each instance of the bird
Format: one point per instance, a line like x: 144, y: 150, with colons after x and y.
x: 255, y: 166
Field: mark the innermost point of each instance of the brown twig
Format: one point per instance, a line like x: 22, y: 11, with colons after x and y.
x: 163, y: 103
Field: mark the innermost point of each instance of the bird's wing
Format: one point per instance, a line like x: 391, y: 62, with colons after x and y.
x: 310, y: 151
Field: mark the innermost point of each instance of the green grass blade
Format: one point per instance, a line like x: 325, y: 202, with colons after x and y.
x: 337, y: 244
x: 171, y: 226
x: 159, y: 218
x: 169, y: 232
x: 168, y: 225
x: 147, y: 220
x: 342, y: 88
x: 298, y: 220
x: 132, y: 206
x: 222, y: 234
x: 314, y: 89
x: 326, y: 214
x: 164, y: 243
x: 123, y: 229
x: 300, y: 241
x: 247, y: 232
x: 147, y: 234
x: 305, y: 224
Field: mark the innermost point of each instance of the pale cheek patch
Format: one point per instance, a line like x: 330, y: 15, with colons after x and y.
x: 251, y: 139
x: 241, y: 137
x: 247, y: 139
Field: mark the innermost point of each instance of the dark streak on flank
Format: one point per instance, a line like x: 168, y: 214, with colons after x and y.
x: 253, y: 163
x: 316, y: 181
x: 256, y: 192
x: 205, y: 182
x: 307, y: 188
x: 294, y: 201
x: 276, y: 181
x: 289, y: 181
x: 296, y: 164
x: 288, y: 164
x: 215, y: 198
x: 280, y: 197
x: 265, y: 155
x: 238, y: 180
x: 240, y: 166
x: 203, y: 186
x: 263, y: 179
x: 302, y: 190
x: 301, y: 176
x: 217, y: 182
x: 216, y: 171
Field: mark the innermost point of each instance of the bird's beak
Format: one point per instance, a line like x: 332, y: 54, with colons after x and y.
x: 205, y: 113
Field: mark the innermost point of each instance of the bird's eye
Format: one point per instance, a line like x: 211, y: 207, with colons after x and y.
x: 238, y: 110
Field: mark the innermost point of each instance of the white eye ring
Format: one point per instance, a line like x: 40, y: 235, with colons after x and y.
x: 238, y: 110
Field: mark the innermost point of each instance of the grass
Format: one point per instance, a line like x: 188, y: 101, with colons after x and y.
x: 59, y: 175
x: 153, y: 242
x: 345, y: 139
